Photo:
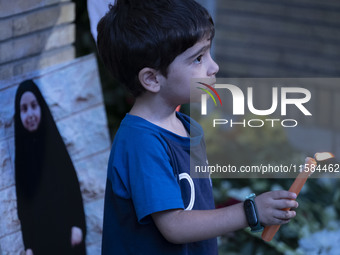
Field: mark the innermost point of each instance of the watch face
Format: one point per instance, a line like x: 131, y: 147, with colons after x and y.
x: 249, y: 208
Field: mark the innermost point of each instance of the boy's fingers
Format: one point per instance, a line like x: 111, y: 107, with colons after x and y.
x: 285, y: 203
x: 284, y: 215
x: 279, y: 194
x: 280, y: 222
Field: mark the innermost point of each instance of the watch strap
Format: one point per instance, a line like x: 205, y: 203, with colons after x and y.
x: 251, y: 213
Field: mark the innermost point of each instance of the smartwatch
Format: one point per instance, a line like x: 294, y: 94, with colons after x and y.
x: 251, y: 213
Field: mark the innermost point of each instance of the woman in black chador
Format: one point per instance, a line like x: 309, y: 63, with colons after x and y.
x: 50, y: 206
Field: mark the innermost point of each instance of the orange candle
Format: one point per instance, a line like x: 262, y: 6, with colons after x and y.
x: 269, y: 231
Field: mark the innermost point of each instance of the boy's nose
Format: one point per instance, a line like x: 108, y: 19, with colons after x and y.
x: 213, y: 68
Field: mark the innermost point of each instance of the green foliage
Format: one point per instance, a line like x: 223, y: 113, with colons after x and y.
x: 319, y: 203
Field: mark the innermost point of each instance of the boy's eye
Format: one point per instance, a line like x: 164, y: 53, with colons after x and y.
x: 198, y: 59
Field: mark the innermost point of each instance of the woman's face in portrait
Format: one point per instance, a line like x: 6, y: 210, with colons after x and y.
x: 30, y: 112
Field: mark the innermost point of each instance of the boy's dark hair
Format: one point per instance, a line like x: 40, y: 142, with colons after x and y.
x: 149, y: 33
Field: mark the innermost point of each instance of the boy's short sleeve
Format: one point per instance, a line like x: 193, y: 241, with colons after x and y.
x: 147, y: 176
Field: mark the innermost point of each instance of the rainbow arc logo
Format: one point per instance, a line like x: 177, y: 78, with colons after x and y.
x: 209, y: 93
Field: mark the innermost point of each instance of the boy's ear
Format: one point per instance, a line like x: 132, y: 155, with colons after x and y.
x: 149, y: 78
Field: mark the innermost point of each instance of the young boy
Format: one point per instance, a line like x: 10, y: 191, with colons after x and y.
x: 152, y: 205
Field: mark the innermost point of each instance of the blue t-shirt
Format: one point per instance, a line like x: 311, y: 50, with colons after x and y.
x: 148, y: 172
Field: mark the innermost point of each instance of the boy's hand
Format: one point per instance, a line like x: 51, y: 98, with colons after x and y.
x: 270, y: 204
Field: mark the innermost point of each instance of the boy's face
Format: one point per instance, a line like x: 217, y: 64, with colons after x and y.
x: 194, y: 63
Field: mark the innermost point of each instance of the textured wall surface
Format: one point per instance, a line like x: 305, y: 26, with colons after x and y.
x: 35, y: 34
x: 286, y: 39
x: 73, y: 92
x: 264, y: 38
x: 36, y: 42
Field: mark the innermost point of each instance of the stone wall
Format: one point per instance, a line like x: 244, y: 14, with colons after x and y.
x: 36, y: 42
x: 73, y: 92
x: 35, y: 34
